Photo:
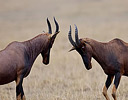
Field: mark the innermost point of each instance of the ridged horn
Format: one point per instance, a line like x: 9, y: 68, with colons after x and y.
x: 57, y: 26
x: 49, y: 27
x: 76, y: 36
x: 70, y: 38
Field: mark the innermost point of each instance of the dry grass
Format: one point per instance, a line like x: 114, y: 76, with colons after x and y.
x: 65, y: 78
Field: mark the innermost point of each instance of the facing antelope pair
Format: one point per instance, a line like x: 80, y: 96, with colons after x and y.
x: 112, y: 56
x: 17, y: 58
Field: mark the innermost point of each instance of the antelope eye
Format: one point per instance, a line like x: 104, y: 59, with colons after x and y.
x: 83, y: 48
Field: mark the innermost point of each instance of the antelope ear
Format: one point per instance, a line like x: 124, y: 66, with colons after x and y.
x: 53, y: 37
x: 73, y: 48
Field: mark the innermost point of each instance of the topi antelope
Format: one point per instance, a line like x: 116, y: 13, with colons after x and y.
x: 18, y: 57
x: 112, y: 57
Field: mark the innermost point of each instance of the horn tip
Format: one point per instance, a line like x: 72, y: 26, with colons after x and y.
x: 70, y: 27
x: 54, y: 18
x: 75, y: 26
x: 47, y: 18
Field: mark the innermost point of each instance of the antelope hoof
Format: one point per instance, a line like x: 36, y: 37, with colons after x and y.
x: 114, y: 96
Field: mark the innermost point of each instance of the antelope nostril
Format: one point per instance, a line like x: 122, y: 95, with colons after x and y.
x: 45, y: 62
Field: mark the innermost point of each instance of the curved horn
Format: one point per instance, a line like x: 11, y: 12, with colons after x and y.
x: 57, y: 26
x: 70, y: 38
x: 76, y: 36
x: 49, y: 27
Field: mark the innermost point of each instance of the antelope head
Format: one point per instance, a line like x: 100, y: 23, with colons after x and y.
x: 46, y: 53
x: 81, y: 47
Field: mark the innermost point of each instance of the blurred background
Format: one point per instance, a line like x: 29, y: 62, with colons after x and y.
x: 65, y: 78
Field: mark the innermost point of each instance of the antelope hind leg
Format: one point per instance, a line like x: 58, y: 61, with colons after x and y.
x: 19, y: 89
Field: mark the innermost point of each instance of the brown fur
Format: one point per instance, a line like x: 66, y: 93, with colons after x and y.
x: 18, y: 57
x: 112, y: 57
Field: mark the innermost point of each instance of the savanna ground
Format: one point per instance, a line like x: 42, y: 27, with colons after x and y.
x: 65, y: 78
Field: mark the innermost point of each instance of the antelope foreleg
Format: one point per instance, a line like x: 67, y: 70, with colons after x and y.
x: 116, y: 83
x: 107, y: 84
x: 105, y: 93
